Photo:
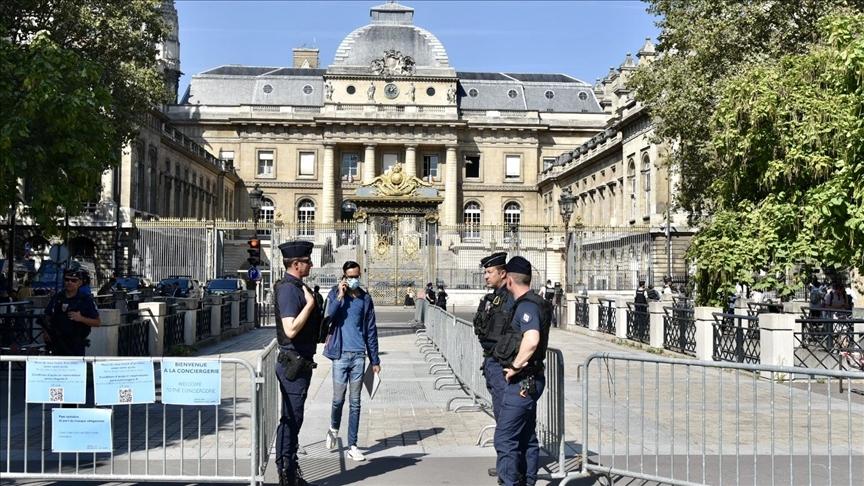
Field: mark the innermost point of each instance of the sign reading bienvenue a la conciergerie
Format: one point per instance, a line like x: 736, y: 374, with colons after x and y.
x: 81, y: 430
x: 56, y: 381
x: 124, y: 382
x: 191, y: 382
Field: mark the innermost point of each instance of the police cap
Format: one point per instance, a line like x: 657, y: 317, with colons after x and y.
x: 296, y: 249
x: 78, y: 273
x: 518, y: 264
x: 494, y: 260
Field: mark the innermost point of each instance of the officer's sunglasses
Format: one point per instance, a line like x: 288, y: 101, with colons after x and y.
x: 73, y: 280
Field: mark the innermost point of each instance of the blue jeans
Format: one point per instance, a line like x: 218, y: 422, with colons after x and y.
x: 348, y: 373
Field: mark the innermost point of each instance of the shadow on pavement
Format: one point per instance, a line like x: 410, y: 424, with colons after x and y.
x: 370, y: 469
x: 408, y: 438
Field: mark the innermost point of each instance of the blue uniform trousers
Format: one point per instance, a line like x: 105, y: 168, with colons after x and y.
x: 293, y: 400
x: 495, y: 383
x: 516, y: 435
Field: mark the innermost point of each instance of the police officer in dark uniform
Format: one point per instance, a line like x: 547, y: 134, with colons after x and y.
x: 521, y: 352
x: 70, y: 313
x: 298, y: 329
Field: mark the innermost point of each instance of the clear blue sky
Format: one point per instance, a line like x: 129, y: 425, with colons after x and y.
x: 580, y: 38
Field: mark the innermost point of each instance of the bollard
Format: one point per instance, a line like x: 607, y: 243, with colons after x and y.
x: 154, y: 312
x: 215, y: 303
x: 704, y: 321
x: 103, y: 339
x: 593, y: 315
x: 190, y: 320
x: 655, y: 323
x: 621, y: 317
x: 570, y: 315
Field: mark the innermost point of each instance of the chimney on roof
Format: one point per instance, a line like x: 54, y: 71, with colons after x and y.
x: 305, y: 58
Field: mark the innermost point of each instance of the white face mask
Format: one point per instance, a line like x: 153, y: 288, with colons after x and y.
x: 353, y: 283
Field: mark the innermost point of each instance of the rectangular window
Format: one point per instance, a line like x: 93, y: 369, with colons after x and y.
x: 265, y: 163
x: 472, y: 166
x: 350, y: 163
x: 430, y: 166
x: 513, y: 166
x: 307, y: 163
x: 389, y: 161
x: 227, y: 156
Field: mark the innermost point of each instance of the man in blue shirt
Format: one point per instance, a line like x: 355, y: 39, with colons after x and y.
x: 352, y: 336
x: 71, y: 314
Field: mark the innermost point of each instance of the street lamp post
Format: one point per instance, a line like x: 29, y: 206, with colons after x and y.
x: 565, y: 205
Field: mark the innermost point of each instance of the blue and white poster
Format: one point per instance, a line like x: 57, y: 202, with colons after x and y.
x: 80, y: 430
x: 56, y: 381
x: 186, y: 382
x: 124, y: 382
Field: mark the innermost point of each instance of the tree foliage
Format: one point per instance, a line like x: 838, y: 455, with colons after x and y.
x: 77, y: 75
x: 787, y: 139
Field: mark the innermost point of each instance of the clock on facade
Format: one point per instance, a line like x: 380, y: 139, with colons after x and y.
x: 391, y: 91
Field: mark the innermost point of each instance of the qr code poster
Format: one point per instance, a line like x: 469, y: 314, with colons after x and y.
x: 56, y: 381
x: 124, y: 382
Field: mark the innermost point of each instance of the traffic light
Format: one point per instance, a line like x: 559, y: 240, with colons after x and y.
x: 254, y: 252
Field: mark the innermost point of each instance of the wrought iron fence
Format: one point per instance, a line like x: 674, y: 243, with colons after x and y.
x: 736, y: 338
x: 679, y: 330
x: 756, y: 308
x: 21, y: 332
x: 203, y: 318
x: 611, y: 258
x: 822, y: 343
x: 638, y: 322
x: 225, y: 317
x: 174, y: 329
x: 134, y: 336
x: 606, y: 316
x: 582, y: 311
x: 244, y: 308
x: 824, y: 313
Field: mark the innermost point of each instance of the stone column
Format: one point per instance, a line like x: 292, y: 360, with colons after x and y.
x: 777, y: 343
x: 704, y: 321
x: 451, y: 184
x: 621, y: 317
x: 411, y: 160
x: 328, y: 193
x: 656, y: 324
x: 369, y: 164
x: 154, y: 313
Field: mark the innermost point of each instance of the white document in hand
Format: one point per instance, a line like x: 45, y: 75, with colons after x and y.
x: 371, y: 381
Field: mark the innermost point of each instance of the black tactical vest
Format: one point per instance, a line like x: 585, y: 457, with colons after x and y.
x: 508, y: 344
x: 493, y: 316
x: 311, y: 330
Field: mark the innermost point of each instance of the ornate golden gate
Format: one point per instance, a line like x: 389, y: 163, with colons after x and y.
x: 397, y: 256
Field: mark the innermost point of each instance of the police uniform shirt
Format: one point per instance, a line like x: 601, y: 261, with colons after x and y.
x: 291, y: 301
x: 60, y: 307
x: 527, y: 317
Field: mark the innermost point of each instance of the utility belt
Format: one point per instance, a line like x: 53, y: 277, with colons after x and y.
x: 294, y: 363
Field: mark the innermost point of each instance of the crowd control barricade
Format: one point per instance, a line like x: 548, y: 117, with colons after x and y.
x: 269, y: 402
x: 451, y: 347
x: 149, y: 441
x: 692, y: 422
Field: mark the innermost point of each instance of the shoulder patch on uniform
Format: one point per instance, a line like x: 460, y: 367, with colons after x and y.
x: 526, y: 317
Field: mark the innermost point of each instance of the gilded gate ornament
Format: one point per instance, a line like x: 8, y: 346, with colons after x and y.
x: 395, y: 183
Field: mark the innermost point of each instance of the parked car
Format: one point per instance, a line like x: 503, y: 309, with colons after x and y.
x: 179, y: 286
x: 134, y: 284
x: 224, y: 285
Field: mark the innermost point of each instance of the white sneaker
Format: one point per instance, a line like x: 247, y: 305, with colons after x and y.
x: 355, y: 454
x: 330, y: 440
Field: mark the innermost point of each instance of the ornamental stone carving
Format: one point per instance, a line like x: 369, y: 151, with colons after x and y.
x: 395, y: 183
x: 393, y: 64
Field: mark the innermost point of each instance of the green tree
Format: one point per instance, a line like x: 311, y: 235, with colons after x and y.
x: 788, y: 138
x: 77, y: 75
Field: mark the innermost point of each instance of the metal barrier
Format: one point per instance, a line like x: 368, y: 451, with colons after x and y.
x: 582, y: 311
x: 637, y: 322
x: 822, y: 343
x: 450, y: 346
x: 21, y: 331
x: 690, y: 422
x: 736, y: 338
x: 203, y: 319
x: 606, y: 318
x: 151, y: 442
x: 265, y: 314
x: 679, y: 330
x: 269, y: 403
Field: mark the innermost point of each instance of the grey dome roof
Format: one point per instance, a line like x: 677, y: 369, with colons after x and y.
x: 391, y: 27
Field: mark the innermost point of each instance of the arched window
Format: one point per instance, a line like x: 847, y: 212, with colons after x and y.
x: 631, y: 186
x: 646, y: 184
x: 265, y: 216
x: 306, y: 218
x: 471, y: 218
x: 512, y: 219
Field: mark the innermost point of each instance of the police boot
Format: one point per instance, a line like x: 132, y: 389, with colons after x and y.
x: 298, y: 479
x: 286, y: 478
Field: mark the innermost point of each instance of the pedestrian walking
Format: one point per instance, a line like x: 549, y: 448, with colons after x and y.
x: 490, y: 323
x: 353, y: 335
x: 521, y: 353
x: 71, y: 314
x: 299, y: 324
x: 441, y: 297
x: 430, y: 294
